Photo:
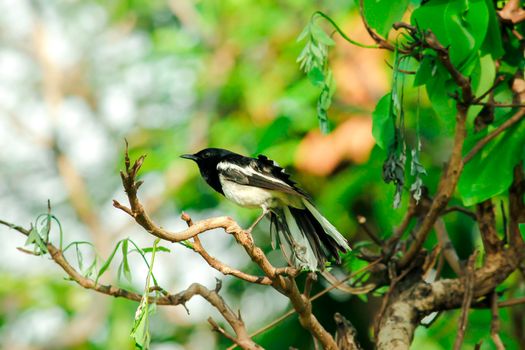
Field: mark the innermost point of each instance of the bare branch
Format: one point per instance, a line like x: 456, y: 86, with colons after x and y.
x: 181, y: 298
x: 483, y: 142
x: 462, y: 210
x: 219, y: 265
x: 512, y: 302
x: 495, y: 324
x: 315, y: 297
x: 487, y: 227
x: 467, y: 300
x: 362, y: 221
x: 450, y: 254
x: 516, y: 206
x: 497, y: 82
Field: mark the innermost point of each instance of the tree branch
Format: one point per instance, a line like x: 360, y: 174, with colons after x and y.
x: 219, y: 265
x: 516, y: 206
x: 487, y: 227
x: 417, y: 300
x: 483, y: 142
x: 212, y: 296
x: 450, y: 254
x: 467, y: 300
x: 494, y: 323
x: 446, y: 187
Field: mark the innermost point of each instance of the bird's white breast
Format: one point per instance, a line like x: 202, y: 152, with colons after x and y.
x: 247, y: 196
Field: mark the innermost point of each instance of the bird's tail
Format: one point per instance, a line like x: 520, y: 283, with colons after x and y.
x: 306, y: 238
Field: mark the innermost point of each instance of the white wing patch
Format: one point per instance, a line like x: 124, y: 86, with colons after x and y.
x: 250, y: 171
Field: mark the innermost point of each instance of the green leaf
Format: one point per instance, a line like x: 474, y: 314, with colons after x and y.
x: 382, y: 14
x: 492, y: 43
x: 477, y: 182
x: 324, y: 101
x: 159, y: 249
x: 424, y: 72
x: 316, y: 77
x: 35, y: 238
x: 431, y: 16
x: 320, y: 35
x: 383, y: 128
x: 482, y: 78
x: 363, y: 297
x: 305, y: 32
x: 108, y: 261
x: 438, y: 89
x: 80, y: 258
x: 460, y: 24
x: 140, y: 330
x: 125, y: 263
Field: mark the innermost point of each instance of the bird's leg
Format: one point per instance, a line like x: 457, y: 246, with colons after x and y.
x: 264, y: 212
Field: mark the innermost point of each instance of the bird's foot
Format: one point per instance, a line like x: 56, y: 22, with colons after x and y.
x: 250, y: 229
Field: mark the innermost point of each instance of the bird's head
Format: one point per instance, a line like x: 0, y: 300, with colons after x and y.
x: 207, y: 160
x: 207, y: 155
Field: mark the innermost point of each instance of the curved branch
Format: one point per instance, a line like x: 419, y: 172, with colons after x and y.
x: 483, y: 142
x: 136, y: 210
x: 219, y: 265
x: 212, y: 296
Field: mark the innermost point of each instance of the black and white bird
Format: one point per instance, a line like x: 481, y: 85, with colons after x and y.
x: 307, y: 239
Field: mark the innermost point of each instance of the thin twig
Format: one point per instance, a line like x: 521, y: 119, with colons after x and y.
x: 449, y: 252
x: 180, y: 298
x: 467, y: 300
x: 408, y: 72
x: 487, y: 227
x: 499, y: 105
x: 459, y: 209
x: 362, y: 221
x: 219, y: 265
x: 497, y: 82
x: 512, y: 302
x: 481, y: 143
x: 494, y: 323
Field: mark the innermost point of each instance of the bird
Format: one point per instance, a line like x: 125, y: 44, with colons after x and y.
x: 306, y: 238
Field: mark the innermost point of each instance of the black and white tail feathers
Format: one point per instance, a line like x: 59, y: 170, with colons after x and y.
x: 306, y: 238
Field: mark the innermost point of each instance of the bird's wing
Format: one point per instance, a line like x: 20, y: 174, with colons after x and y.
x: 260, y: 172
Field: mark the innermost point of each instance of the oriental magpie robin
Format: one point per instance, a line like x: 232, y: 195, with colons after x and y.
x: 307, y: 239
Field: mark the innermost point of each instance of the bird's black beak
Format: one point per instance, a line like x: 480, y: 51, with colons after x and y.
x: 189, y: 156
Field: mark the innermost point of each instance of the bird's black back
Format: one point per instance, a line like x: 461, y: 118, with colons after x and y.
x: 209, y: 158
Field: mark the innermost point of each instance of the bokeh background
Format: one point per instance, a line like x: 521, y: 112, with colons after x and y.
x: 172, y: 77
